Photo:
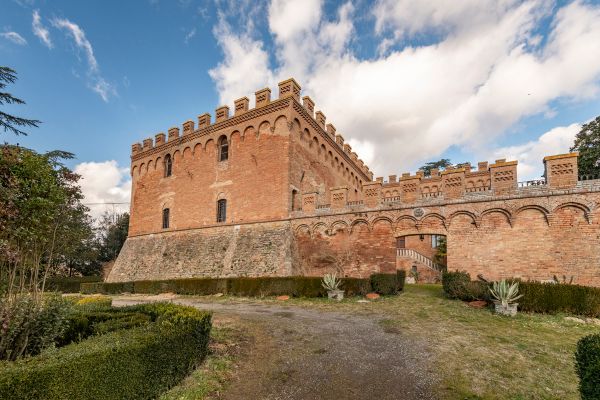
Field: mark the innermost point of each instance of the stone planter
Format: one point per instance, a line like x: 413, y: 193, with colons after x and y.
x: 335, y: 294
x: 509, y: 310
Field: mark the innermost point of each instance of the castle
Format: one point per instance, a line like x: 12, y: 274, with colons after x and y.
x: 276, y: 191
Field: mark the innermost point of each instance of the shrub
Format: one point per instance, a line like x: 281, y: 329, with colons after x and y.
x: 559, y: 297
x: 124, y: 321
x: 454, y: 283
x: 356, y: 286
x: 401, y: 274
x: 201, y: 286
x: 107, y: 288
x: 384, y: 284
x: 94, y: 303
x: 458, y: 285
x: 69, y: 284
x: 297, y: 286
x: 138, y: 363
x: 28, y: 327
x: 84, y: 323
x: 587, y: 365
x: 154, y: 287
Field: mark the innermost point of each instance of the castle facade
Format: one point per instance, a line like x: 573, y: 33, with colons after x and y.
x: 276, y: 191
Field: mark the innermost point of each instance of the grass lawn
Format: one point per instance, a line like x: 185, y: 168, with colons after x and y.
x: 477, y: 354
x: 480, y: 355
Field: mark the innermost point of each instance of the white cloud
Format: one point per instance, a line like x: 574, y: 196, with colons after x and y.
x: 81, y: 41
x: 405, y: 18
x: 290, y: 19
x: 103, y: 88
x: 189, y: 35
x: 96, y: 82
x: 102, y: 183
x: 245, y: 65
x: 487, y: 69
x: 530, y: 155
x: 40, y: 30
x: 14, y: 37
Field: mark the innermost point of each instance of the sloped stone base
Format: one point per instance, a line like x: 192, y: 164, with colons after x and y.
x: 251, y: 250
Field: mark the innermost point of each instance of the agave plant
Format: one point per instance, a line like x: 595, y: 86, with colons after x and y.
x: 331, y: 282
x: 505, y: 292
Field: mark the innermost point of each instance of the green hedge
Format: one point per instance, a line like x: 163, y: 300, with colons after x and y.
x: 587, y: 365
x: 384, y: 284
x: 401, y: 274
x: 458, y: 285
x: 69, y: 284
x: 550, y: 298
x: 138, y: 363
x: 107, y: 288
x: 84, y: 324
x: 559, y: 297
x: 297, y: 286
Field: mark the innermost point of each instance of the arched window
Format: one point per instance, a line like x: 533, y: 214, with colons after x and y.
x: 221, y: 210
x: 165, y: 218
x: 223, y: 148
x: 168, y: 165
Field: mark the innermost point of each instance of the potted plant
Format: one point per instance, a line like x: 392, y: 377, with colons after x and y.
x: 331, y: 283
x: 505, y: 295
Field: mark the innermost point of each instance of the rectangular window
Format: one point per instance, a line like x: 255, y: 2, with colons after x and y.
x: 401, y: 242
x: 221, y: 210
x: 165, y: 217
x: 435, y: 241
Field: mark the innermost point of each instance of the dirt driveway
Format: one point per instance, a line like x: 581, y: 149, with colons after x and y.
x: 299, y: 353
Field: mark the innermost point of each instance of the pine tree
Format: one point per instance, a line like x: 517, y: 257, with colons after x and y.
x: 441, y: 164
x: 7, y: 121
x: 587, y: 143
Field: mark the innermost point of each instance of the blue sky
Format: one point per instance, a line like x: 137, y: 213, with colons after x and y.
x: 406, y: 82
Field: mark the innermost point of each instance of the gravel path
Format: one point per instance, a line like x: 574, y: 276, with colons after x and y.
x: 306, y: 354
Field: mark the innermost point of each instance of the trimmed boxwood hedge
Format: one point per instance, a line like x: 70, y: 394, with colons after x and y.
x: 137, y: 363
x: 297, y: 286
x: 552, y: 298
x: 384, y: 284
x: 69, y: 284
x: 107, y: 288
x: 587, y: 365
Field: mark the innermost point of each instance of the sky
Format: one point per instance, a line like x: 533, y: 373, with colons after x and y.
x: 404, y: 82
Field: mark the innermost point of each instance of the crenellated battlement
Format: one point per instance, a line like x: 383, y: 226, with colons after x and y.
x: 487, y: 182
x: 289, y: 91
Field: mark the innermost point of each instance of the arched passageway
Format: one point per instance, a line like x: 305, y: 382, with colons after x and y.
x: 422, y: 256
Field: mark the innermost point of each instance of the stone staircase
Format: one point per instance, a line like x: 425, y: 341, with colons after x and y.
x: 420, y: 258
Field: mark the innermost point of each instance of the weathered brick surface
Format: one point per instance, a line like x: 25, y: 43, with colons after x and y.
x: 299, y: 201
x: 525, y: 236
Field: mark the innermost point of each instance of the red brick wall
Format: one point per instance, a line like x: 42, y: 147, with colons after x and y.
x: 526, y: 237
x: 358, y: 252
x: 318, y: 164
x: 533, y: 248
x: 253, y: 181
